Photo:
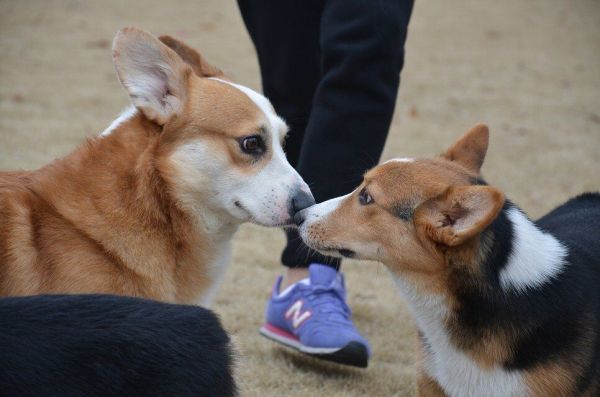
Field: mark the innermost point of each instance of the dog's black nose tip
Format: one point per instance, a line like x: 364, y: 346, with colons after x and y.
x: 301, y: 201
x: 299, y: 218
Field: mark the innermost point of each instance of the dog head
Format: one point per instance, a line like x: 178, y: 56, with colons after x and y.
x: 408, y: 212
x: 220, y: 145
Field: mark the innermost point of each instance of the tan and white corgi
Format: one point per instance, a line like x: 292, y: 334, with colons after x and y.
x: 504, y: 306
x: 148, y: 208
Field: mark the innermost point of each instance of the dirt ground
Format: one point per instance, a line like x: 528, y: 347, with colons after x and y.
x: 530, y: 69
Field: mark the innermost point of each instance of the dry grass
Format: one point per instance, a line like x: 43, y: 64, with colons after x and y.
x: 531, y: 69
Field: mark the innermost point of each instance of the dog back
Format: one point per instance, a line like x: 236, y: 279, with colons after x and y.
x: 101, y: 345
x: 576, y: 224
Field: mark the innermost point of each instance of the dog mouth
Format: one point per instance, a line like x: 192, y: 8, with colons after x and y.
x: 336, y: 251
x: 289, y: 222
x: 346, y: 253
x: 239, y: 205
x: 331, y: 250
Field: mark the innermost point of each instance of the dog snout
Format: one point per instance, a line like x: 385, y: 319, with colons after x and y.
x: 302, y: 200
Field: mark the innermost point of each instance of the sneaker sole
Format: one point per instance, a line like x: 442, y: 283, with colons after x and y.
x: 354, y: 353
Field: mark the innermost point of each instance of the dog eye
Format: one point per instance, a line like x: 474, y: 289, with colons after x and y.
x: 252, y: 145
x: 364, y: 198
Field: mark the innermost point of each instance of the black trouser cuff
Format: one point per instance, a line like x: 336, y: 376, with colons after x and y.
x: 297, y: 255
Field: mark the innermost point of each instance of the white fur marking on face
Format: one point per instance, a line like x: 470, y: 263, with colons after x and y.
x: 319, y: 213
x: 216, y: 270
x: 324, y: 209
x: 536, y: 256
x: 128, y: 113
x: 457, y: 373
x: 400, y: 160
x: 263, y: 197
x: 327, y: 207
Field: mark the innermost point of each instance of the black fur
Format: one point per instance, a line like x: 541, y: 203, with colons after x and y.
x: 554, y: 321
x: 577, y: 225
x: 102, y: 345
x: 403, y: 212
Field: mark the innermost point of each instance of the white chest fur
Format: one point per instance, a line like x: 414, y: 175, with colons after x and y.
x: 216, y: 272
x: 457, y: 373
x: 219, y: 234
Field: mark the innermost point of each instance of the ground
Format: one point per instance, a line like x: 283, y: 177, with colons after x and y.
x: 530, y: 69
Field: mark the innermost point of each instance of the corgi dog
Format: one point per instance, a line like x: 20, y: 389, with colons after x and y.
x: 148, y: 208
x: 504, y: 306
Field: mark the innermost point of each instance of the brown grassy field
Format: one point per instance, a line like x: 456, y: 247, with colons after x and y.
x: 530, y: 69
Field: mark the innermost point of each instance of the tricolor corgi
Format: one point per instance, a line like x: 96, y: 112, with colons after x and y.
x: 504, y: 306
x: 148, y: 208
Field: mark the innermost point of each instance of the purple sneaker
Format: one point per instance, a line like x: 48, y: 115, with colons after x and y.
x: 312, y: 317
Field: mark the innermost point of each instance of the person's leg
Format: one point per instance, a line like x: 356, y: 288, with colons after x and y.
x: 361, y: 53
x: 362, y: 47
x: 286, y: 37
x: 355, y: 56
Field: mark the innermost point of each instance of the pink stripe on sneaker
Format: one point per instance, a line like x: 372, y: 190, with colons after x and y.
x: 280, y: 332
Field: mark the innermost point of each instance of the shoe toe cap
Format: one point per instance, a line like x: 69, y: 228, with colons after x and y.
x: 333, y: 337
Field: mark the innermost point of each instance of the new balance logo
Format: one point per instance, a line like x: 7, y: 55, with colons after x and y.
x: 296, y: 314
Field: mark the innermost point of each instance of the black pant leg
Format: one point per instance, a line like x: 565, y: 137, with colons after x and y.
x: 285, y: 34
x: 362, y: 47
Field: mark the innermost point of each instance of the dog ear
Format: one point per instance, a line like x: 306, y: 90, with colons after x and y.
x: 470, y: 149
x: 191, y: 57
x: 458, y: 214
x: 154, y: 75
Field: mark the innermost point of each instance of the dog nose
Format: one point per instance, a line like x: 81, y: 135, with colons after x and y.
x: 301, y: 201
x: 299, y: 218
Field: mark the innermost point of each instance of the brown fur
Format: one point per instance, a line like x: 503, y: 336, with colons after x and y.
x: 74, y: 226
x: 436, y: 191
x: 106, y: 217
x: 558, y: 378
x: 552, y: 380
x: 428, y: 387
x: 426, y: 219
x: 192, y: 58
x: 489, y: 349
